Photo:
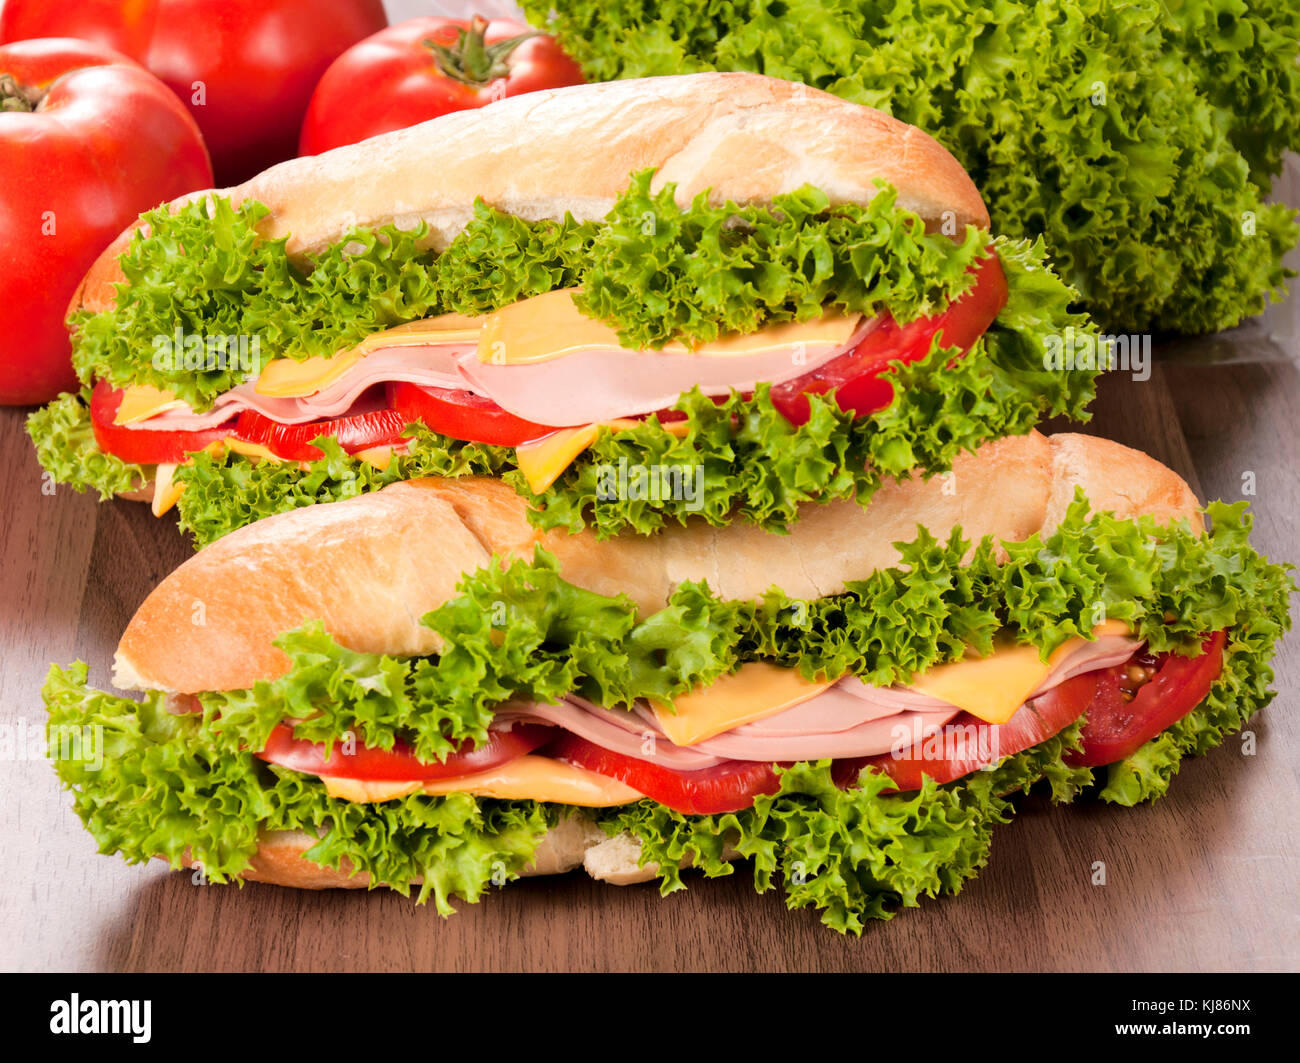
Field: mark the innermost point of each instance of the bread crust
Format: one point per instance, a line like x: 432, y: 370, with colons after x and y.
x: 745, y: 137
x: 372, y: 566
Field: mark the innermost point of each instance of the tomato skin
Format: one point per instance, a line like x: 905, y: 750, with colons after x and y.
x: 728, y: 787
x: 391, y: 81
x: 140, y: 445
x: 399, y: 763
x: 257, y: 61
x: 123, y: 25
x: 1116, y: 729
x: 292, y: 442
x: 462, y: 415
x: 860, y: 378
x: 105, y: 142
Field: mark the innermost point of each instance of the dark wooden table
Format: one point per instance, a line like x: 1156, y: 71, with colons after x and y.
x: 1205, y: 879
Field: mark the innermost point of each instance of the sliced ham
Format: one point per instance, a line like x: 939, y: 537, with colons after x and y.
x: 580, y: 388
x: 849, y: 719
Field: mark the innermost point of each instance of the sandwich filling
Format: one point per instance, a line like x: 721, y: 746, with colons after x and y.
x: 862, y: 745
x: 780, y: 353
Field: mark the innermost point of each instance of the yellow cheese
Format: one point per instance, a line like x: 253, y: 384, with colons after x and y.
x: 527, y: 778
x: 285, y: 378
x: 753, y: 692
x: 543, y: 460
x: 379, y: 457
x: 251, y: 450
x: 165, y: 493
x: 550, y: 326
x: 140, y: 402
x: 994, y: 687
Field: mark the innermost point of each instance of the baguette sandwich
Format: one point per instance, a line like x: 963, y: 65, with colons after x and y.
x: 715, y: 296
x: 418, y: 688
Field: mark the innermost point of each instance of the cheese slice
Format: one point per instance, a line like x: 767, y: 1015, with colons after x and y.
x: 550, y: 326
x: 165, y: 493
x: 140, y: 402
x: 753, y: 692
x: 286, y: 378
x: 544, y: 460
x: 527, y: 778
x: 994, y: 687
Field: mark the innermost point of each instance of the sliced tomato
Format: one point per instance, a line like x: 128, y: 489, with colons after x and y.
x: 1117, y: 726
x: 726, y: 787
x: 860, y: 378
x: 966, y: 743
x: 462, y: 415
x: 144, y: 446
x: 400, y: 763
x: 293, y: 442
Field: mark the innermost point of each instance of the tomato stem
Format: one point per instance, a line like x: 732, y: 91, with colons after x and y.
x: 12, y: 96
x: 471, y: 60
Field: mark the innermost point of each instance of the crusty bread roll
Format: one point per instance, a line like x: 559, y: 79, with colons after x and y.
x: 745, y: 136
x: 371, y: 567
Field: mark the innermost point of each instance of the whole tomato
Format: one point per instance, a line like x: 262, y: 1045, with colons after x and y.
x: 88, y: 140
x: 245, y: 68
x: 424, y: 68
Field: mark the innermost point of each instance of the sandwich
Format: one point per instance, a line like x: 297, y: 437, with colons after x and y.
x: 717, y: 295
x: 418, y: 688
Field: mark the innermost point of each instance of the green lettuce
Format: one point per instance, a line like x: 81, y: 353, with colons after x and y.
x: 170, y: 787
x: 228, y: 491
x: 66, y: 448
x: 660, y: 272
x: 858, y: 853
x: 1137, y: 141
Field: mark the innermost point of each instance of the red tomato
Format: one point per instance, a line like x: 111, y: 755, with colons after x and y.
x: 399, y: 763
x: 424, y: 68
x: 124, y: 25
x: 1117, y: 727
x: 860, y: 378
x: 357, y: 431
x: 245, y: 68
x: 144, y: 446
x: 88, y: 140
x: 462, y: 415
x: 727, y: 787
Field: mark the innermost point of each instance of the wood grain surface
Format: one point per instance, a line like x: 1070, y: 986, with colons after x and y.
x: 1205, y: 879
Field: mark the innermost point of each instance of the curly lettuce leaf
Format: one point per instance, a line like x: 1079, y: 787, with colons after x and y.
x: 66, y: 448
x: 170, y: 787
x: 1137, y: 143
x: 661, y: 272
x: 853, y: 854
x: 228, y: 491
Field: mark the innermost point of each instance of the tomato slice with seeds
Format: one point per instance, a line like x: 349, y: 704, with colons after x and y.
x: 1117, y: 726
